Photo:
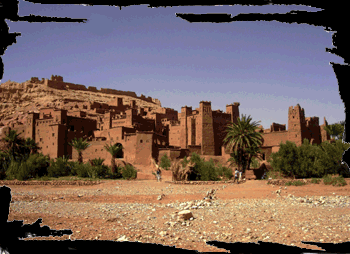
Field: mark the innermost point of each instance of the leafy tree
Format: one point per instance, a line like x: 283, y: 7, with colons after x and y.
x: 165, y: 162
x: 243, y: 140
x: 79, y: 145
x: 307, y: 155
x: 329, y: 160
x: 113, y: 150
x: 197, y: 160
x: 286, y: 159
x: 336, y: 130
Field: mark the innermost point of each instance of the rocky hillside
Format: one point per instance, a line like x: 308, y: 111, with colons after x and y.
x: 17, y: 99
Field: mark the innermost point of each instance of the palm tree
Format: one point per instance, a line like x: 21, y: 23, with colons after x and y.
x: 32, y: 146
x: 13, y: 143
x: 113, y: 150
x: 243, y: 140
x: 79, y: 145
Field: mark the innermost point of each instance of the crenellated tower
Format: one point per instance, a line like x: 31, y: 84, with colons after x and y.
x: 296, y: 124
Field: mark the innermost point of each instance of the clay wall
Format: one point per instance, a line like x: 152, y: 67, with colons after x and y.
x: 217, y: 160
x: 94, y: 151
x: 195, y: 149
x: 275, y: 138
x: 84, y: 126
x: 60, y: 116
x: 77, y: 113
x: 174, y: 135
x: 99, y: 111
x: 47, y: 137
x: 92, y: 89
x: 117, y: 92
x: 172, y: 154
x: 139, y: 148
x: 118, y: 122
x: 277, y: 127
x: 46, y: 113
x: 115, y: 135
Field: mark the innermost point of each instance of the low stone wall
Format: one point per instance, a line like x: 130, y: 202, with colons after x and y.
x: 201, y: 182
x: 16, y: 182
x: 282, y: 182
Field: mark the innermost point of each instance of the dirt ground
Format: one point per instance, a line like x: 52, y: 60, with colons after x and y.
x: 109, y: 226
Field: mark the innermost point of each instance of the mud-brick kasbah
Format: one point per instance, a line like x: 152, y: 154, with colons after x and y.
x: 146, y: 132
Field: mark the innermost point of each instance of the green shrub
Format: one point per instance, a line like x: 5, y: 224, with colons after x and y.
x: 328, y: 179
x: 225, y: 172
x: 43, y: 178
x: 196, y: 172
x: 335, y: 181
x: 97, y: 162
x: 208, y: 171
x: 58, y: 168
x: 100, y: 171
x: 82, y: 169
x: 165, y: 162
x: 316, y: 181
x: 35, y: 166
x: 295, y: 183
x: 341, y: 181
x: 39, y: 163
x: 128, y: 172
x: 19, y: 171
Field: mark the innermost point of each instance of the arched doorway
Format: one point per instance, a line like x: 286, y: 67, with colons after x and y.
x: 120, y: 154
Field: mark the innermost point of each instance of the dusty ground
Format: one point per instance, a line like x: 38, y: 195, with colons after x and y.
x: 247, y: 212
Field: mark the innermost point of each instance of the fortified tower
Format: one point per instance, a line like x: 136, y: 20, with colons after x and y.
x: 185, y: 112
x: 30, y: 129
x: 206, y: 129
x: 296, y: 124
x: 324, y: 135
x: 233, y: 110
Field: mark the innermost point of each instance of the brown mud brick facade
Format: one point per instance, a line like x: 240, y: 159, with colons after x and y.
x: 147, y: 133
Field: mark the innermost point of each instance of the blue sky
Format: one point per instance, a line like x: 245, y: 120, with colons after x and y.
x: 266, y: 66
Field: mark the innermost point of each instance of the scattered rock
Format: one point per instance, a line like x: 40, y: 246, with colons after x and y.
x: 185, y: 214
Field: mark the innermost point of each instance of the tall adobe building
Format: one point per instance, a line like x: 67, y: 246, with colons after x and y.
x: 202, y: 130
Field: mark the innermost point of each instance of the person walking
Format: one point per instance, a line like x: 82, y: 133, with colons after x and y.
x: 236, y: 176
x: 158, y: 175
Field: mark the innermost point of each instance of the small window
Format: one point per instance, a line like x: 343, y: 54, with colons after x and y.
x: 53, y: 144
x: 141, y: 141
x: 101, y: 149
x: 41, y: 139
x: 95, y: 150
x: 53, y: 134
x: 47, y: 146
